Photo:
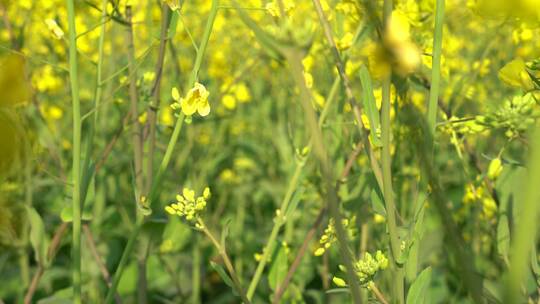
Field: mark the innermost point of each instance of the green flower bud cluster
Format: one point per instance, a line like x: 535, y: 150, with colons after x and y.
x: 187, y: 206
x: 462, y: 126
x: 365, y: 269
x: 515, y: 116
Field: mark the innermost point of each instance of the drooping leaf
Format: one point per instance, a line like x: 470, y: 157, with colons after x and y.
x: 418, y: 292
x: 377, y: 203
x: 223, y: 274
x: 38, y: 237
x: 278, y: 270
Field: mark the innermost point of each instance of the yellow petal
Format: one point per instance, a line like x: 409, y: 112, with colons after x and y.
x: 203, y: 108
x: 175, y: 94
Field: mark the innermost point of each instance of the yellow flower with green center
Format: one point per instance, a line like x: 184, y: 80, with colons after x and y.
x: 196, y: 100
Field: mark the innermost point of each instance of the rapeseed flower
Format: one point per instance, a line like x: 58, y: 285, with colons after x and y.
x: 196, y: 100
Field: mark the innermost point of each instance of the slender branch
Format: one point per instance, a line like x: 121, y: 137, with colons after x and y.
x: 102, y: 268
x: 436, y: 65
x: 108, y: 149
x: 51, y: 253
x: 378, y: 294
x: 133, y: 97
x: 294, y: 58
x: 271, y: 243
x: 309, y: 236
x: 156, y: 94
x: 357, y: 111
x: 76, y: 195
x: 167, y: 157
x: 226, y: 260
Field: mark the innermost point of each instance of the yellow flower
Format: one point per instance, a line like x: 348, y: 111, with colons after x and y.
x: 229, y: 102
x: 274, y: 10
x: 495, y: 168
x: 515, y: 74
x: 54, y: 28
x: 173, y: 4
x: 241, y: 92
x: 188, y: 206
x: 345, y: 42
x: 196, y: 101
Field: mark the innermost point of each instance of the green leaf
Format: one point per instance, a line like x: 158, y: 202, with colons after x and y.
x: 534, y: 264
x: 225, y: 233
x: 503, y: 236
x: 377, y: 203
x: 337, y: 290
x: 278, y: 271
x: 224, y: 276
x: 38, y: 238
x: 175, y: 236
x: 294, y: 201
x: 67, y: 214
x: 418, y: 292
x: 173, y: 24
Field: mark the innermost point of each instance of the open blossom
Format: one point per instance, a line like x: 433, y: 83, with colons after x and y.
x: 196, y: 100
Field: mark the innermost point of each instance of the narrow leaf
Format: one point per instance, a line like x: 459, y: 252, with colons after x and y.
x: 418, y: 292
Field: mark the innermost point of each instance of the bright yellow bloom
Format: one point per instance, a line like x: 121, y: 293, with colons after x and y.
x: 196, y: 100
x: 188, y: 206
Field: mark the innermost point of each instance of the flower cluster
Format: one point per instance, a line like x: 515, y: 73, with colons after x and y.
x: 480, y: 194
x: 514, y: 117
x: 196, y: 100
x: 329, y: 236
x: 187, y: 206
x: 274, y: 10
x: 365, y: 269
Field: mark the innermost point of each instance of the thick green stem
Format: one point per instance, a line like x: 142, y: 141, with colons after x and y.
x: 76, y: 195
x: 389, y: 200
x: 388, y: 191
x: 526, y: 228
x: 436, y: 66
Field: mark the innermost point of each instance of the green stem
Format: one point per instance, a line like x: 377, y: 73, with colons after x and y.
x: 167, y: 157
x: 196, y: 273
x: 436, y: 66
x: 76, y: 195
x: 271, y: 243
x: 388, y: 191
x: 123, y: 260
x: 294, y: 58
x: 226, y: 260
x: 179, y: 122
x: 526, y: 228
